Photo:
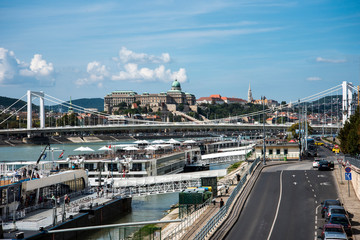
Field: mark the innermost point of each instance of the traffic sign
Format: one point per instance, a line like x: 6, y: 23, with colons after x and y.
x: 347, y: 169
x: 348, y: 176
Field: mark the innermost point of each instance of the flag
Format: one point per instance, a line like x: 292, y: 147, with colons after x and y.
x: 44, y: 156
x: 110, y: 146
x: 61, y: 154
x: 123, y: 172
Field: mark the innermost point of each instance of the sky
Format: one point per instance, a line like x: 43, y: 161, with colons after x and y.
x: 285, y: 49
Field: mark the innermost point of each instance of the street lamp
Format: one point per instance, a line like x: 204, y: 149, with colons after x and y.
x: 264, y: 147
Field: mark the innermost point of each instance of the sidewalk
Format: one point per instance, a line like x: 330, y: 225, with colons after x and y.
x: 351, y: 203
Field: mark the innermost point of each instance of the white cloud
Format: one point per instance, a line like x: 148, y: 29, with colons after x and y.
x: 38, y: 67
x: 13, y: 71
x: 320, y: 59
x: 96, y: 74
x: 313, y: 79
x: 133, y: 73
x: 126, y: 56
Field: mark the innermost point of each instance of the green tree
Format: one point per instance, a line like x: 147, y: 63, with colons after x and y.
x: 293, y: 129
x: 349, y: 135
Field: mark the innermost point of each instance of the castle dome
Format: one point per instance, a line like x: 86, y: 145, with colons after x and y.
x: 176, y: 85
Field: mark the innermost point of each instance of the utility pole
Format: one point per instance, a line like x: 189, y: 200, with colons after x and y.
x: 306, y: 129
x: 299, y: 132
x: 264, y: 147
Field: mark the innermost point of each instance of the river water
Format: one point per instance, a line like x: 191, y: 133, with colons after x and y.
x: 144, y: 208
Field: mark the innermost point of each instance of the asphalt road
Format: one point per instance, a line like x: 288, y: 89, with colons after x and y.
x: 285, y: 203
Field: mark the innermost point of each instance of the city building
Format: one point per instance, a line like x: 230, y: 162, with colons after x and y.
x: 218, y: 99
x: 163, y: 101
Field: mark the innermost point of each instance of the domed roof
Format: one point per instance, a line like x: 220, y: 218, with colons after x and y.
x: 175, y: 84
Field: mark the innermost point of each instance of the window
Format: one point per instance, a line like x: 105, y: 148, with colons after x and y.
x: 285, y: 151
x: 270, y: 151
x: 278, y: 151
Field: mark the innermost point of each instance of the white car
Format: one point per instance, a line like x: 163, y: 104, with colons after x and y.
x: 316, y: 163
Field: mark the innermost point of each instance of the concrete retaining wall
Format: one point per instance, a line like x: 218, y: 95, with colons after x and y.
x: 355, y: 174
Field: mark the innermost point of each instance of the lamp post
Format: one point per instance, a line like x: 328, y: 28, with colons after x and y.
x: 299, y: 132
x: 264, y: 147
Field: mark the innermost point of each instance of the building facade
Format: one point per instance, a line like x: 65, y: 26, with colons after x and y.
x: 169, y: 100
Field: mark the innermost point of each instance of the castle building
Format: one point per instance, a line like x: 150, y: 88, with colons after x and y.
x: 163, y: 101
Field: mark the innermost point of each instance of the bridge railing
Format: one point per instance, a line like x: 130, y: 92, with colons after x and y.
x: 216, y: 219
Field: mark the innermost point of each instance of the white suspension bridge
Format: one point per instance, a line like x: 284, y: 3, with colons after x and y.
x: 330, y: 115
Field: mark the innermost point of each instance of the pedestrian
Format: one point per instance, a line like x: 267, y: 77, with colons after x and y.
x: 53, y: 200
x: 221, y: 203
x: 214, y: 201
x: 58, y: 200
x: 97, y: 191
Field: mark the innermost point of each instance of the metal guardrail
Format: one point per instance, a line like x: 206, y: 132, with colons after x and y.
x: 355, y: 161
x: 188, y: 221
x: 216, y: 219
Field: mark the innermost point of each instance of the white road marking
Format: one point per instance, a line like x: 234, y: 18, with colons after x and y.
x: 314, y: 195
x: 316, y: 220
x: 277, y: 209
x: 325, y: 183
x: 313, y: 190
x: 310, y: 185
x: 294, y: 183
x: 293, y: 175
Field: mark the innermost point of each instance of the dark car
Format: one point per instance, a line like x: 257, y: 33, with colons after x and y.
x: 334, y: 209
x: 333, y: 231
x: 343, y: 220
x: 325, y: 165
x: 325, y: 205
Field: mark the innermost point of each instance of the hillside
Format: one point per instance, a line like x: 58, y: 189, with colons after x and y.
x: 5, y: 102
x: 83, y: 102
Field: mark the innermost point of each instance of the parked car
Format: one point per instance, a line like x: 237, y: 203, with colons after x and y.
x: 333, y: 231
x: 325, y: 204
x: 316, y: 163
x: 325, y: 165
x: 343, y: 220
x: 335, y: 209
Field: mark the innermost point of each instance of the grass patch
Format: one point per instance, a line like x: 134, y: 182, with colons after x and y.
x: 233, y: 166
x: 145, y: 231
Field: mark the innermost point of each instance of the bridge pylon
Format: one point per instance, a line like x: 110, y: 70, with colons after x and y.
x: 30, y: 95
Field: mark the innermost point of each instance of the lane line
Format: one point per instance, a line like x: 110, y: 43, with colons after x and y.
x: 278, y: 206
x: 316, y: 221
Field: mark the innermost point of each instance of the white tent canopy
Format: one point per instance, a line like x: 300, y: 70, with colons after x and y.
x: 131, y: 148
x: 189, y: 141
x: 104, y: 148
x: 84, y: 149
x: 173, y: 141
x: 158, y: 141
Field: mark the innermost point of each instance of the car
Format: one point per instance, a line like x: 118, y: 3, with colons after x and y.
x: 325, y: 165
x: 335, y: 209
x: 325, y: 204
x: 343, y: 220
x: 333, y: 231
x: 316, y: 163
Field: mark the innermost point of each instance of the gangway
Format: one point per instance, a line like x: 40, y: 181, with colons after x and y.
x: 163, y: 184
x: 222, y: 157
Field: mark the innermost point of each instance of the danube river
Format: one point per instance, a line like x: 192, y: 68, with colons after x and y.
x: 144, y: 208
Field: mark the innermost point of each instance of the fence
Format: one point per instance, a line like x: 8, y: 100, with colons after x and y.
x: 188, y: 221
x: 216, y: 219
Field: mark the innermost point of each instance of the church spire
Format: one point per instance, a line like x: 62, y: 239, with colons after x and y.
x: 250, y: 98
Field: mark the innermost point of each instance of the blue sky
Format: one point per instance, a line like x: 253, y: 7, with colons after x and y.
x: 285, y: 49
